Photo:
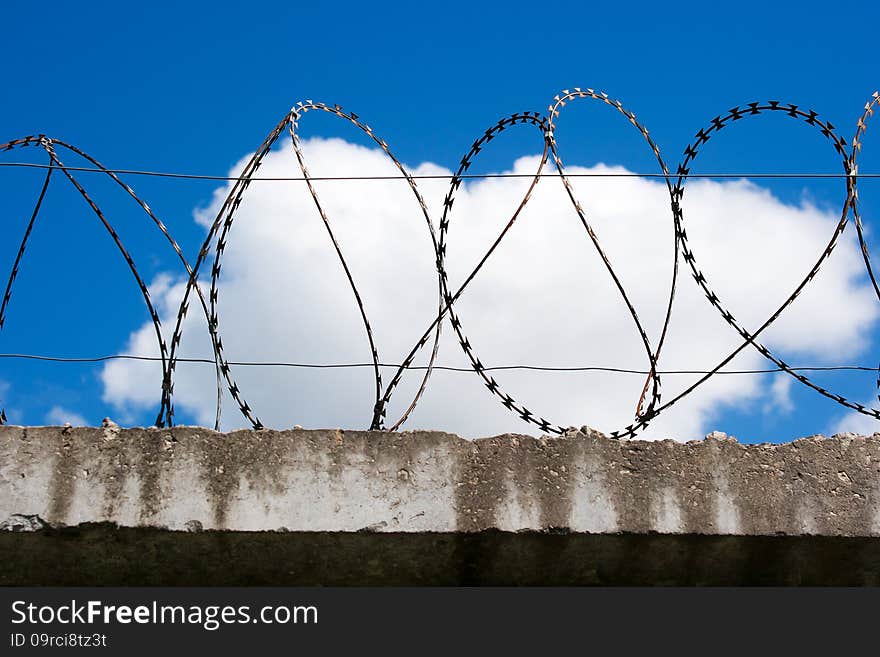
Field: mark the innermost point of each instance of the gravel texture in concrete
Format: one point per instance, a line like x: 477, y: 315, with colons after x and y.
x: 193, y: 479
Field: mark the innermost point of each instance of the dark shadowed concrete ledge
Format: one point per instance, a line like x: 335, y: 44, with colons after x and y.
x: 192, y: 506
x: 99, y: 555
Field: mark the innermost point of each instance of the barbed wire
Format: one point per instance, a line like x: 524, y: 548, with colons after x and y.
x: 650, y: 402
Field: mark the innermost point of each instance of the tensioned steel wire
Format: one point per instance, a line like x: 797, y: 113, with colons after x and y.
x: 443, y: 176
x: 50, y: 358
x: 650, y: 402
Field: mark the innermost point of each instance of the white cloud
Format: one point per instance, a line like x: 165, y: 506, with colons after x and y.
x: 58, y: 416
x: 779, y: 395
x: 853, y: 422
x: 543, y: 298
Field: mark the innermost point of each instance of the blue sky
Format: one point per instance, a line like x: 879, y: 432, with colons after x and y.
x: 194, y: 88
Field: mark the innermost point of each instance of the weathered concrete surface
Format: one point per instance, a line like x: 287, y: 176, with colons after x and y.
x: 190, y: 478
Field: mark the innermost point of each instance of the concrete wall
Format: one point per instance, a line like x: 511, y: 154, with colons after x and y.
x: 191, y: 478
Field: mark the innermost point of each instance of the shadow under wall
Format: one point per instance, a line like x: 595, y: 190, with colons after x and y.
x: 106, y: 555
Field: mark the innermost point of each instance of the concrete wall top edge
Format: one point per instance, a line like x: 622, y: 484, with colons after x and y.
x: 189, y: 478
x: 584, y: 430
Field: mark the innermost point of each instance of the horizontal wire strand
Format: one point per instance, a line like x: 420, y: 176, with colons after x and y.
x: 628, y: 174
x: 447, y: 368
